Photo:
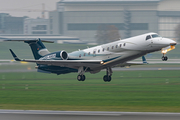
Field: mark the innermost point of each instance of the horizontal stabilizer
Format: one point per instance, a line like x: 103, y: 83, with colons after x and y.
x: 29, y: 40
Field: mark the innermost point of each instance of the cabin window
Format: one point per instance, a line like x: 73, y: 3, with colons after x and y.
x: 108, y: 48
x: 80, y: 55
x: 120, y: 45
x: 112, y: 47
x: 124, y: 44
x: 89, y: 53
x: 148, y: 37
x: 94, y: 52
x: 103, y: 49
x: 98, y: 51
x: 84, y: 54
x: 116, y: 46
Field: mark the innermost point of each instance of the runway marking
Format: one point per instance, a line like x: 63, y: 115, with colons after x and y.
x: 159, y: 68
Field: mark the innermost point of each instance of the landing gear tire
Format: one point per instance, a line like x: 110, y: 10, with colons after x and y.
x: 164, y: 58
x: 81, y: 77
x: 107, y: 78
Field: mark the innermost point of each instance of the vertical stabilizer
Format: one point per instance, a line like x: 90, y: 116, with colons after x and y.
x: 38, y: 48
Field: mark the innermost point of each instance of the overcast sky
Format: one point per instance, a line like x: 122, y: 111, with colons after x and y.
x: 16, y: 7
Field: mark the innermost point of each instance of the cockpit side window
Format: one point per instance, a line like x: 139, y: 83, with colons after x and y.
x: 148, y: 37
x: 155, y: 35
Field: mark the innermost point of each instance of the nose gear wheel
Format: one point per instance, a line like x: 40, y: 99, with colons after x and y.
x: 164, y: 58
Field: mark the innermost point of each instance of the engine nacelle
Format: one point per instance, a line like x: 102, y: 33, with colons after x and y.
x: 62, y: 54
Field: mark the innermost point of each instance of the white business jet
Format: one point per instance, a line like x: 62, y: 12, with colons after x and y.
x: 95, y: 59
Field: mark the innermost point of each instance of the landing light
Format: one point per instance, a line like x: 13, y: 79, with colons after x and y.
x: 167, y: 50
x: 102, y: 62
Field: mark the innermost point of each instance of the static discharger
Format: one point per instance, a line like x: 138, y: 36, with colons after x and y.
x: 167, y: 50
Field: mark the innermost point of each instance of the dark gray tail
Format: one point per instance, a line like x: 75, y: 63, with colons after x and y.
x: 38, y: 48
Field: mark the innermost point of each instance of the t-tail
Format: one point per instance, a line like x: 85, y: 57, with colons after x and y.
x: 37, y: 47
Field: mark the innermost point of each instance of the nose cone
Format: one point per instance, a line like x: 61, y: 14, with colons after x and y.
x: 168, y: 42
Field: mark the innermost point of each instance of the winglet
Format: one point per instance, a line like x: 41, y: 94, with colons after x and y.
x: 14, y: 55
x: 144, y: 60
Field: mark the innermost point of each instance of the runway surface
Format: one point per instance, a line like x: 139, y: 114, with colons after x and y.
x: 84, y: 115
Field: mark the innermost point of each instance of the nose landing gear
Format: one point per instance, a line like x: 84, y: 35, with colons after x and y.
x: 164, y: 58
x: 164, y: 51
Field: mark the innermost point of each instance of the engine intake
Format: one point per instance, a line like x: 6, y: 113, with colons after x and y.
x: 64, y: 55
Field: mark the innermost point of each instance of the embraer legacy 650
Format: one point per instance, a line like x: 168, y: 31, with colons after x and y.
x: 95, y: 59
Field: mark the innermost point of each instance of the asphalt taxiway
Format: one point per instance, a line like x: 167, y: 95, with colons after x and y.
x: 84, y: 115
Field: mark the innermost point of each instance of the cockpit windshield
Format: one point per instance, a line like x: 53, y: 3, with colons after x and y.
x: 155, y: 35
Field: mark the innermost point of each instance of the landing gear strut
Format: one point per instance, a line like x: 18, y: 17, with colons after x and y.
x: 164, y: 58
x: 81, y: 76
x: 107, y: 77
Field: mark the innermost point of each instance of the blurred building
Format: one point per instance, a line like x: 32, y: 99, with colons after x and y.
x: 169, y: 17
x: 2, y: 22
x: 23, y: 28
x: 37, y: 26
x: 10, y: 24
x: 82, y: 18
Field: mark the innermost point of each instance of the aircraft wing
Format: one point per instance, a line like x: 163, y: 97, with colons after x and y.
x: 144, y: 62
x: 77, y: 63
x: 67, y: 63
x: 130, y: 64
x: 62, y: 63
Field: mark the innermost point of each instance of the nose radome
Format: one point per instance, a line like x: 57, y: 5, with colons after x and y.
x: 169, y: 41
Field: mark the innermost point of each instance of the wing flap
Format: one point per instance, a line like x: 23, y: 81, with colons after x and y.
x: 144, y: 62
x: 130, y: 64
x: 67, y: 63
x: 62, y: 63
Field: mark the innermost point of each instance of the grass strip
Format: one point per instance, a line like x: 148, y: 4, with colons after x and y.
x: 136, y: 91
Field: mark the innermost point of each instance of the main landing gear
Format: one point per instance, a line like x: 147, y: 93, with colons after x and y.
x: 164, y: 58
x: 81, y: 76
x: 107, y: 77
